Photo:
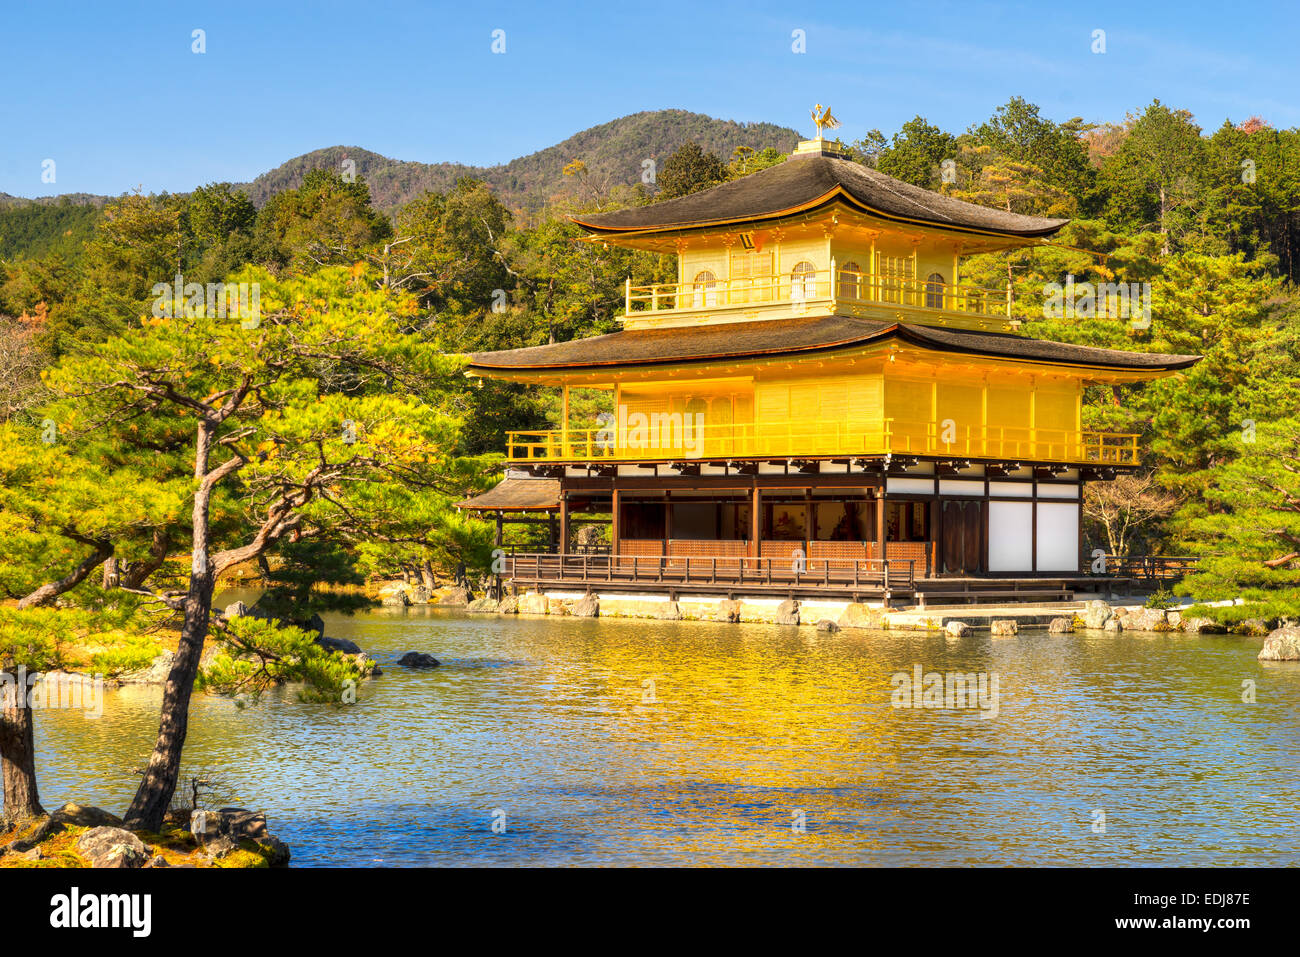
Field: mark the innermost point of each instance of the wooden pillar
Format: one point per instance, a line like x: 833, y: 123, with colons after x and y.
x: 668, y: 519
x: 810, y: 518
x: 564, y: 425
x: 615, y: 518
x: 755, y: 522
x: 882, y: 527
x: 498, y: 537
x: 564, y: 523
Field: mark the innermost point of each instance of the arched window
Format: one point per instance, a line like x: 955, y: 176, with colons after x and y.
x: 850, y: 280
x: 803, y: 282
x: 934, y: 284
x: 706, y: 290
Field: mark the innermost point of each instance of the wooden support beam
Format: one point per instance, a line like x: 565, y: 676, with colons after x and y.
x: 615, y: 529
x: 564, y: 523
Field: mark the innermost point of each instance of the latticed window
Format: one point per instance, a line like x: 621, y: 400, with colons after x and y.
x: 706, y: 289
x: 751, y: 276
x: 851, y: 281
x: 803, y: 282
x: 895, y: 274
x: 934, y: 284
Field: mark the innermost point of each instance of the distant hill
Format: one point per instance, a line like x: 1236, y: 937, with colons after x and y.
x: 613, y: 153
x: 37, y: 227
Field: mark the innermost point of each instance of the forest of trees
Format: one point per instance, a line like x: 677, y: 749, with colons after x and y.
x: 144, y: 455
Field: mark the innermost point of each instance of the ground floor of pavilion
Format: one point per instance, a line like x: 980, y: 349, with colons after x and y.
x: 861, y: 529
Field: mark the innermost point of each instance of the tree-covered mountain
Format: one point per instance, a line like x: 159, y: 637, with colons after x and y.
x: 613, y: 154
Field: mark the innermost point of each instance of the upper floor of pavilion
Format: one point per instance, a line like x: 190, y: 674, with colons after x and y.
x: 818, y: 234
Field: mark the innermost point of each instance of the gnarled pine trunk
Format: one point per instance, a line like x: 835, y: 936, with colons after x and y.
x: 153, y: 797
x: 18, y: 758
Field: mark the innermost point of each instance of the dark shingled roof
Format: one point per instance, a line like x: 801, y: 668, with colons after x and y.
x: 808, y: 182
x: 789, y: 337
x: 517, y: 494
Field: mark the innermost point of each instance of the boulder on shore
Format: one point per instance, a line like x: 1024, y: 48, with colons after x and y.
x: 456, y: 595
x: 483, y: 606
x: 112, y: 847
x: 956, y: 629
x: 1203, y: 626
x: 509, y: 605
x: 1283, y: 644
x: 858, y: 615
x: 827, y: 625
x: 787, y: 613
x: 1096, y: 614
x: 1253, y: 627
x: 728, y: 610
x: 1060, y: 626
x: 418, y: 659
x: 1004, y: 627
x: 585, y: 607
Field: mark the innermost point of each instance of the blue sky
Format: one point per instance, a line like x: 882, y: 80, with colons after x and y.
x: 113, y: 93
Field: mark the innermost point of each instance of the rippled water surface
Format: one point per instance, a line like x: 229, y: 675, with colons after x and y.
x: 634, y: 742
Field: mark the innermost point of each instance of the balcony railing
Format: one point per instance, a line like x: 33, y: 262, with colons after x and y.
x: 667, y: 438
x: 851, y: 286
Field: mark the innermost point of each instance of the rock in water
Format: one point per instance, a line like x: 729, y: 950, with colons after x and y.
x: 1254, y: 627
x: 827, y: 625
x: 1005, y: 626
x: 957, y: 629
x: 1113, y: 625
x: 509, y: 605
x: 418, y: 659
x: 1060, y: 626
x: 1203, y: 626
x: 1096, y: 614
x: 483, y: 605
x: 236, y: 609
x: 585, y: 607
x: 112, y: 847
x: 339, y: 644
x: 728, y: 610
x: 787, y: 613
x: 1283, y: 644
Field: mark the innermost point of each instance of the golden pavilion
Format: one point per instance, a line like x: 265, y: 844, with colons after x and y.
x: 818, y: 405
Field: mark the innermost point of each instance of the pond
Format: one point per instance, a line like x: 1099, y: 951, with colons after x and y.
x: 562, y: 741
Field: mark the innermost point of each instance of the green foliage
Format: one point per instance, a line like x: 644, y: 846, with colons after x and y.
x: 38, y: 229
x: 258, y: 654
x: 327, y: 220
x: 1250, y: 534
x: 915, y: 153
x: 689, y: 169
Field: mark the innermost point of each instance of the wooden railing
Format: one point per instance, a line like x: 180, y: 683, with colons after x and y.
x: 790, y: 288
x: 1153, y: 568
x: 570, y: 568
x: 671, y: 436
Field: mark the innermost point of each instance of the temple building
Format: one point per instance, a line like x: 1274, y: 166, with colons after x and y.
x: 818, y: 405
